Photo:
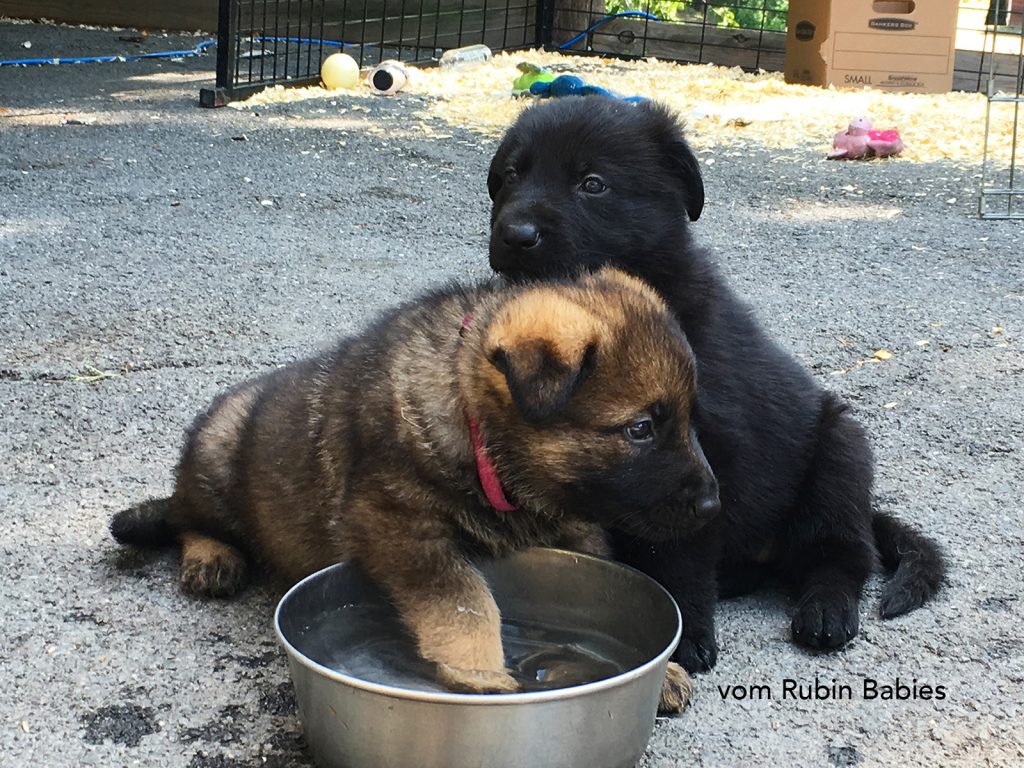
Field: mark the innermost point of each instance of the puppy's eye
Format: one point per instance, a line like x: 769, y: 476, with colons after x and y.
x: 640, y: 431
x: 593, y: 185
x: 511, y: 176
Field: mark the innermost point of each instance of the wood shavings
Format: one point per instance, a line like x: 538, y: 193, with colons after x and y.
x: 723, y: 107
x: 279, y: 94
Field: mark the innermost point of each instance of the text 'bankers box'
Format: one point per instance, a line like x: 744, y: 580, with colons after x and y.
x: 896, y: 45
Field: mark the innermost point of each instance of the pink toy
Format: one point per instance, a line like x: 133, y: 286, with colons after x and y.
x: 860, y: 140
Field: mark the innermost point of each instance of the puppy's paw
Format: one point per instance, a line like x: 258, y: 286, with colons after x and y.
x: 210, y: 567
x: 826, y: 623
x: 676, y: 690
x: 475, y: 680
x: 698, y: 653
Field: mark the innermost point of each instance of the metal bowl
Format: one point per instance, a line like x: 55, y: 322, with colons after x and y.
x: 398, y: 718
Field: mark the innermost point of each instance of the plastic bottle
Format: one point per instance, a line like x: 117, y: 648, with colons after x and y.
x: 460, y: 57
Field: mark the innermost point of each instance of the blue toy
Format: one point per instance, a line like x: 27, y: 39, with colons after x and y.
x: 571, y: 85
x: 537, y: 81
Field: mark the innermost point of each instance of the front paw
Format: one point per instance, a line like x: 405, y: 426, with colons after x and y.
x: 826, y: 623
x: 676, y: 690
x: 475, y: 680
x: 698, y: 653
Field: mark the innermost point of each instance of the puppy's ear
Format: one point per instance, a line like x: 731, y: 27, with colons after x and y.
x: 539, y: 379
x: 493, y: 184
x: 686, y: 167
x: 495, y: 176
x: 542, y: 346
x: 667, y: 131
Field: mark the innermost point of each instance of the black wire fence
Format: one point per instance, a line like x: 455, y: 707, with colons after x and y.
x: 267, y: 42
x: 746, y: 33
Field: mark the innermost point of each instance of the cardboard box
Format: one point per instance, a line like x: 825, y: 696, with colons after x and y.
x: 895, y: 45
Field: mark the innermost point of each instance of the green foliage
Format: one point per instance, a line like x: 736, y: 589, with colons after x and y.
x: 663, y: 9
x: 743, y: 14
x: 769, y: 14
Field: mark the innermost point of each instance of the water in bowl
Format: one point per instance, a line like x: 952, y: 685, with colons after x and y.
x: 370, y: 643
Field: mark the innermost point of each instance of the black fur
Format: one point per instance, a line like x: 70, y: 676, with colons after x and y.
x: 794, y: 468
x: 916, y: 560
x: 144, y: 525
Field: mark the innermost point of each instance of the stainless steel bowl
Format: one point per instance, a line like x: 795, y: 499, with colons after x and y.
x: 356, y: 723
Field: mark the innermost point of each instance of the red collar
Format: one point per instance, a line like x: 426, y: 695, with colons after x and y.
x: 484, y: 466
x: 487, y: 473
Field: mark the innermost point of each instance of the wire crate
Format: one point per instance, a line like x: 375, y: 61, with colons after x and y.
x: 1002, y: 171
x: 269, y: 42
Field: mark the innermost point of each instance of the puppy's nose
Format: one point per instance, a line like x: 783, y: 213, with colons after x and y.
x: 706, y: 507
x: 520, y: 234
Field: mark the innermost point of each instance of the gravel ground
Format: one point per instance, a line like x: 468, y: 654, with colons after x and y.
x: 182, y: 249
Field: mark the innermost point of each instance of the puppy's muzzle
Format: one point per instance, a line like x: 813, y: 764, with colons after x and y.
x: 520, y: 235
x: 704, y: 502
x: 704, y: 508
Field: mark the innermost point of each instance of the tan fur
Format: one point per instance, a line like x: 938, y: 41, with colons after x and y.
x: 209, y: 566
x: 629, y: 283
x: 220, y: 440
x: 676, y: 691
x: 546, y: 315
x: 460, y: 630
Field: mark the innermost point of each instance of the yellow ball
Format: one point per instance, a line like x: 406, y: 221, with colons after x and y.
x: 339, y: 70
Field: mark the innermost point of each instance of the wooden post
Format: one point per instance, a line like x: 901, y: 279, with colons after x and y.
x: 572, y: 17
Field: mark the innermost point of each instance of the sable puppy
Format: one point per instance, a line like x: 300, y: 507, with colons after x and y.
x: 587, y: 182
x: 465, y: 425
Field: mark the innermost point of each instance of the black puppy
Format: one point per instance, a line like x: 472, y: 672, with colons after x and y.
x: 583, y: 182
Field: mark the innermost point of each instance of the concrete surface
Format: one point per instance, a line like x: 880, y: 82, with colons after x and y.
x: 156, y: 244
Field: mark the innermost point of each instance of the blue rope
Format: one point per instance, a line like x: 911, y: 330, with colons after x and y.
x: 605, y: 20
x: 104, y: 59
x: 166, y: 54
x: 307, y: 41
x: 198, y: 50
